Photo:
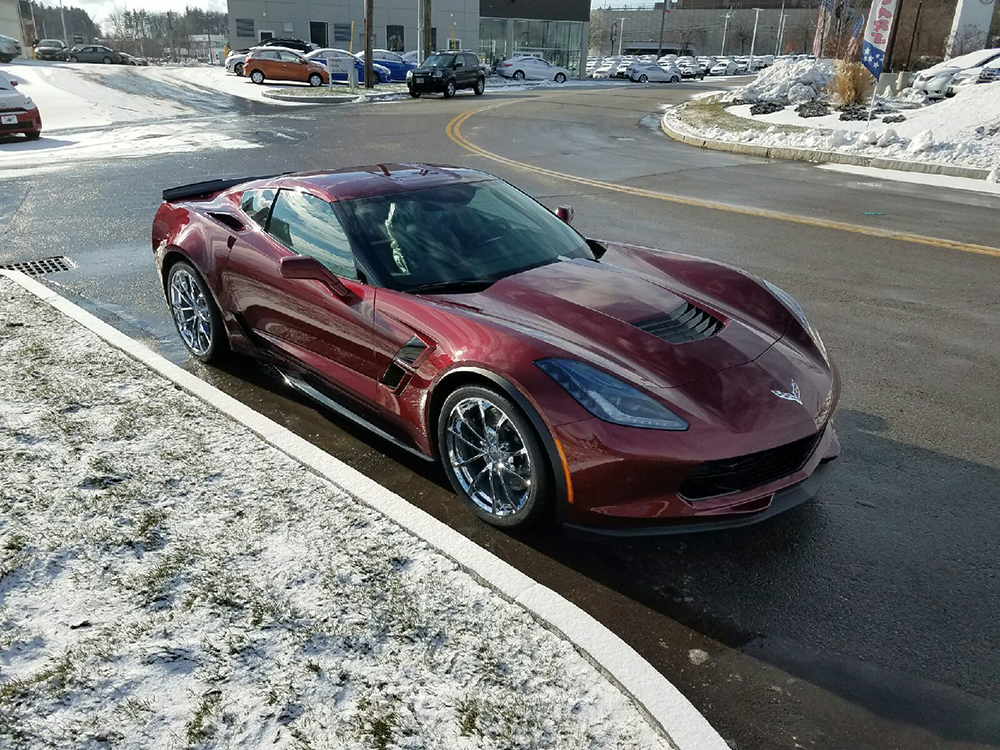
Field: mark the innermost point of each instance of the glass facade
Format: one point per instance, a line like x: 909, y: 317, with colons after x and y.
x: 558, y: 42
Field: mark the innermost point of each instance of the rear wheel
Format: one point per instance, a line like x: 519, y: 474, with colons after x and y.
x: 315, y: 80
x: 644, y: 78
x: 195, y: 314
x: 257, y: 77
x: 238, y: 69
x: 518, y: 75
x: 34, y: 135
x: 560, y: 78
x: 493, y: 457
x: 449, y: 89
x: 480, y: 86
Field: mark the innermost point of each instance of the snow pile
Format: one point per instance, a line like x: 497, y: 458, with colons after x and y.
x: 911, y: 95
x: 170, y: 580
x: 797, y: 81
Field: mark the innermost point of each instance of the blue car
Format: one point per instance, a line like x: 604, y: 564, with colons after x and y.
x: 396, y: 64
x: 382, y: 73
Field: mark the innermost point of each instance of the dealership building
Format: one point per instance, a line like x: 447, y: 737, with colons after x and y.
x: 557, y: 30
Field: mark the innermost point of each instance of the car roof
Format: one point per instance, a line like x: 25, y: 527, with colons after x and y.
x: 349, y: 183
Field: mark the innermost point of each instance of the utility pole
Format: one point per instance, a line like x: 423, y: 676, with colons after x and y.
x: 781, y: 28
x: 428, y: 41
x: 753, y: 41
x: 663, y: 21
x: 369, y: 70
x: 621, y: 35
x: 725, y: 32
x: 62, y: 14
x: 420, y: 32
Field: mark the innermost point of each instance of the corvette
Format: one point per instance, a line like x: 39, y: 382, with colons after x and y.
x: 615, y: 388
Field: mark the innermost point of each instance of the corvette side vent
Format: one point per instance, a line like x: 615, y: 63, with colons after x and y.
x: 403, y: 362
x: 41, y: 267
x: 683, y: 324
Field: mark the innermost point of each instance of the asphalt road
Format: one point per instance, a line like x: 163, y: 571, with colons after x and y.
x: 868, y: 618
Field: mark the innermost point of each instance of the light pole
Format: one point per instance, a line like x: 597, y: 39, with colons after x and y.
x: 62, y: 15
x: 781, y: 29
x: 725, y: 32
x: 621, y: 35
x: 753, y: 41
x: 663, y: 22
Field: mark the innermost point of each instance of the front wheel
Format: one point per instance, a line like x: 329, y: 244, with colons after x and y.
x: 106, y: 61
x: 315, y: 80
x: 195, y: 314
x: 560, y: 78
x: 414, y: 94
x: 493, y: 457
x: 238, y: 69
x: 257, y: 77
x: 74, y: 58
x: 376, y: 78
x: 449, y: 90
x: 675, y: 79
x: 480, y: 86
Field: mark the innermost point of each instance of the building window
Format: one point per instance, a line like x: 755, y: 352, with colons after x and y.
x: 244, y: 27
x: 342, y: 32
x: 558, y: 42
x: 265, y: 35
x: 318, y: 33
x: 493, y: 41
x: 395, y: 39
x: 434, y: 38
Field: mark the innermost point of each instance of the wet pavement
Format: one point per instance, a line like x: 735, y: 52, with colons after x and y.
x: 866, y: 618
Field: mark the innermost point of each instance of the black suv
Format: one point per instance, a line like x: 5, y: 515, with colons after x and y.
x: 447, y: 72
x: 296, y: 44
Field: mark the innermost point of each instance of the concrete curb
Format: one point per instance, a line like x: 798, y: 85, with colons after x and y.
x: 333, y: 99
x: 662, y: 703
x: 825, y: 157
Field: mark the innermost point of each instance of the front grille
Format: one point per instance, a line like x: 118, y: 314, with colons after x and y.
x: 729, y: 475
x: 683, y: 324
x: 41, y: 267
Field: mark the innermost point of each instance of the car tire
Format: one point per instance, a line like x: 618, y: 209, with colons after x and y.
x: 511, y: 458
x: 480, y: 86
x: 644, y: 78
x: 74, y: 58
x: 376, y: 78
x: 675, y: 79
x: 238, y: 69
x: 106, y: 60
x: 449, y: 89
x: 257, y: 77
x: 186, y: 289
x: 315, y: 80
x: 414, y: 94
x: 33, y: 135
x: 560, y: 78
x: 518, y: 75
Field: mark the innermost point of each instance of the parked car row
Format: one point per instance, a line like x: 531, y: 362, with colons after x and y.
x: 635, y: 67
x: 941, y: 80
x: 297, y: 61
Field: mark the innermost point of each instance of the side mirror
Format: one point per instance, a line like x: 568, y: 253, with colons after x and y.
x: 310, y: 269
x: 565, y: 213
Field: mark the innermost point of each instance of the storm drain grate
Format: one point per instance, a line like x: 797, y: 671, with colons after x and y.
x: 624, y: 139
x: 42, y: 266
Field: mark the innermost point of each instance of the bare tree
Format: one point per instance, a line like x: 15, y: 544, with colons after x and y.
x: 688, y: 36
x: 968, y: 38
x: 742, y: 30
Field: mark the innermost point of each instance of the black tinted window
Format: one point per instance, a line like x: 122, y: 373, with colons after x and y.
x: 307, y: 225
x: 256, y: 204
x: 439, y: 61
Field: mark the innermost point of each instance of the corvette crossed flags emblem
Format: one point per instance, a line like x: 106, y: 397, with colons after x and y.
x: 793, y: 395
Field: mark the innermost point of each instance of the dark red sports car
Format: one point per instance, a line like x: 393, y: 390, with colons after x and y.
x: 625, y: 389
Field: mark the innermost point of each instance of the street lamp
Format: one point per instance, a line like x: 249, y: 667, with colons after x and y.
x: 621, y: 35
x: 753, y: 65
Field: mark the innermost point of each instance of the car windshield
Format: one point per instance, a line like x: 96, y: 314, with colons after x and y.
x: 439, y: 61
x: 458, y: 235
x: 50, y: 43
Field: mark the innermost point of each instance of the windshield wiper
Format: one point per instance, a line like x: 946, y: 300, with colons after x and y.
x: 443, y: 287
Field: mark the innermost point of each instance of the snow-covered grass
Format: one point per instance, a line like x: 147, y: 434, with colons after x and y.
x: 168, y: 579
x: 962, y: 131
x: 215, y: 80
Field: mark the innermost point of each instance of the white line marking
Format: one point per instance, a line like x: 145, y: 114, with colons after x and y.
x: 655, y: 696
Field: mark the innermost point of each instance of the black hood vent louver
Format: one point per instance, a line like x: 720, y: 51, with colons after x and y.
x: 683, y: 324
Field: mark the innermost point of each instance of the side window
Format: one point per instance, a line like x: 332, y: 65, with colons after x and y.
x: 256, y: 204
x: 288, y: 57
x: 307, y: 225
x: 470, y: 61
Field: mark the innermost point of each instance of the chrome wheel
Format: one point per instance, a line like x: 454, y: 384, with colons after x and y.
x: 191, y: 312
x: 487, y: 454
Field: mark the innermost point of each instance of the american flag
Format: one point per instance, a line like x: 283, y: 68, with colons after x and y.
x: 822, y: 22
x: 859, y: 25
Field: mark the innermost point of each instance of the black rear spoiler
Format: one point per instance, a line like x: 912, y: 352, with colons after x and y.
x: 208, y: 187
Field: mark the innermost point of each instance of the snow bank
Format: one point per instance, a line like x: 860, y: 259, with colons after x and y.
x: 169, y: 579
x: 798, y: 81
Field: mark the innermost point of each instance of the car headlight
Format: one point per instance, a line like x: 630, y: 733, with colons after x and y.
x: 796, y: 309
x: 409, y: 75
x: 608, y: 398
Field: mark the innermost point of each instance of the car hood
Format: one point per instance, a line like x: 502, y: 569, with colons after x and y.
x: 589, y: 310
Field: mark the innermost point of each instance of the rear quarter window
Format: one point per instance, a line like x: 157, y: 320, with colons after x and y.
x: 257, y: 204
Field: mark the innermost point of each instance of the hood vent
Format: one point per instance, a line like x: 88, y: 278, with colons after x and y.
x: 681, y: 325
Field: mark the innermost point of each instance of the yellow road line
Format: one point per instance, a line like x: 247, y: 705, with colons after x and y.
x: 455, y: 134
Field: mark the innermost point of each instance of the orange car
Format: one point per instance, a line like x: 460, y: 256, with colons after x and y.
x: 275, y: 64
